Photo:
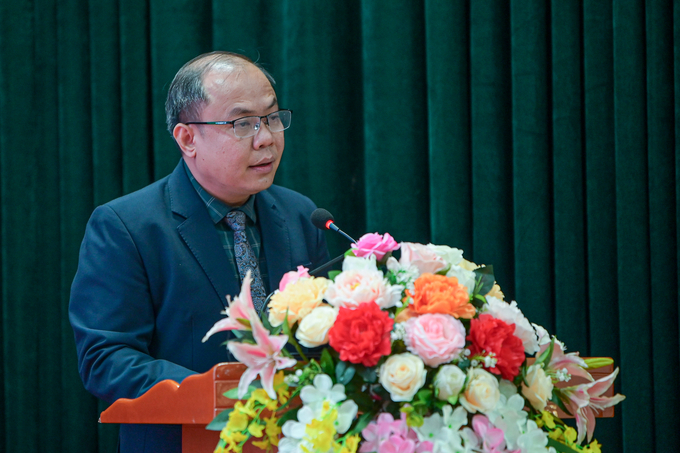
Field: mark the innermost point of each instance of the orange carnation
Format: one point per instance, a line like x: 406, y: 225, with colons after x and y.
x: 441, y: 294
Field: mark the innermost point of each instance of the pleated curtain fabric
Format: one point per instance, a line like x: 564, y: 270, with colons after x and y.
x: 539, y: 136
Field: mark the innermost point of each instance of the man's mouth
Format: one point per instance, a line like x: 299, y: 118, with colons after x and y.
x: 264, y: 165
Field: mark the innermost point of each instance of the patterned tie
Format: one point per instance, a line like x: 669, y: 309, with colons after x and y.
x: 245, y: 257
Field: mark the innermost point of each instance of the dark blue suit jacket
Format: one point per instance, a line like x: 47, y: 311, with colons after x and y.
x: 151, y: 281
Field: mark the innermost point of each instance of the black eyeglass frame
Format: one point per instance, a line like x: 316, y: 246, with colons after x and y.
x: 250, y: 116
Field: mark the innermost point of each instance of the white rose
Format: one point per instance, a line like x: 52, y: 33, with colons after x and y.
x: 403, y: 375
x: 449, y: 382
x: 450, y: 255
x: 540, y: 387
x: 313, y: 329
x: 422, y: 257
x: 481, y: 391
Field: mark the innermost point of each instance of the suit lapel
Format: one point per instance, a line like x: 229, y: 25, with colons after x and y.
x: 199, y: 234
x: 275, y: 238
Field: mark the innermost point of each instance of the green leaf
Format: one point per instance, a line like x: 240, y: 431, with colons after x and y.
x: 560, y: 447
x: 368, y: 375
x: 327, y: 363
x: 267, y: 325
x: 244, y: 335
x: 220, y: 421
x: 347, y: 376
x: 556, y: 398
x: 290, y: 414
x: 547, y: 354
x: 363, y: 422
x: 425, y: 395
x: 333, y: 274
x: 340, y: 370
x: 291, y: 338
x: 233, y: 393
x: 485, y: 280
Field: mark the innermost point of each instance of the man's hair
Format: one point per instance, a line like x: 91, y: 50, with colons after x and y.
x: 187, y: 95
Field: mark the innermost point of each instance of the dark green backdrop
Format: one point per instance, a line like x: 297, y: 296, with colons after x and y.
x: 537, y: 136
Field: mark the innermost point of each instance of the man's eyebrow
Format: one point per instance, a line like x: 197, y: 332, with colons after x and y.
x: 243, y: 111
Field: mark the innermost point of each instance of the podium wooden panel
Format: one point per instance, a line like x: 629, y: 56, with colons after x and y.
x: 199, y: 398
x: 193, y: 404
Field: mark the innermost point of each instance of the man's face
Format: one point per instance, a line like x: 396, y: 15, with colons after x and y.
x: 231, y: 168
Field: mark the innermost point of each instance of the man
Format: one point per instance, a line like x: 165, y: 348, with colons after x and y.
x: 156, y: 265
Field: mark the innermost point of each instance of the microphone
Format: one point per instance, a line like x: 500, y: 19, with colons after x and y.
x: 323, y: 220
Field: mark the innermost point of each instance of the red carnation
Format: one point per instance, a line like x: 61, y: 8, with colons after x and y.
x: 361, y: 335
x: 491, y: 335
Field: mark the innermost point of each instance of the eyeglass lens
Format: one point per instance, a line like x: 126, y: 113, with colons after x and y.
x: 276, y: 121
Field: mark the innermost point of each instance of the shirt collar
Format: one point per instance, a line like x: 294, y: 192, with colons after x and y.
x: 216, y: 208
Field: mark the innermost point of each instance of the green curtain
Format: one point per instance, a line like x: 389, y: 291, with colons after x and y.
x: 538, y: 136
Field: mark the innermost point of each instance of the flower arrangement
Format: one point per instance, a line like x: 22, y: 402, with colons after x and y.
x: 419, y: 354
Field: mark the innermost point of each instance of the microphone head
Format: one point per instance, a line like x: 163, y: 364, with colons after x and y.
x: 320, y: 218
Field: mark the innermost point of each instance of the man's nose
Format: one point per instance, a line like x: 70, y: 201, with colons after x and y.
x: 263, y: 137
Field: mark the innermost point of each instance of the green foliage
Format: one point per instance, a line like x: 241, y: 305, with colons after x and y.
x: 219, y: 422
x: 243, y: 335
x: 484, y: 280
x: 558, y: 398
x: 290, y: 414
x: 369, y: 375
x: 233, y: 393
x: 363, y: 422
x: 547, y: 354
x: 560, y: 447
x: 344, y: 373
x: 327, y: 362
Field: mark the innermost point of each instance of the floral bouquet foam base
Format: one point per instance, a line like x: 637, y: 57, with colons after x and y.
x: 420, y: 354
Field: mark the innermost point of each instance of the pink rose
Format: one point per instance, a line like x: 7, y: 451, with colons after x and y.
x: 376, y: 244
x: 435, y: 338
x: 422, y: 257
x: 293, y: 276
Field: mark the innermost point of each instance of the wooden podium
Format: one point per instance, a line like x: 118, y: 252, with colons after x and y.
x: 193, y: 404
x: 199, y: 398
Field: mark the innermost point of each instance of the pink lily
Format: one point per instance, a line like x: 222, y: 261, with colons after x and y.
x: 585, y: 399
x: 239, y: 310
x: 263, y: 358
x: 574, y: 364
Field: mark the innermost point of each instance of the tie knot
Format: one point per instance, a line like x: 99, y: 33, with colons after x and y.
x: 236, y: 220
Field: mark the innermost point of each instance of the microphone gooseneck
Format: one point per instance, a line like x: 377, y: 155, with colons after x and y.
x: 323, y: 220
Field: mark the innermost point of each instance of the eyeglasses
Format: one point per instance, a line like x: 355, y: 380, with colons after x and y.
x: 249, y: 125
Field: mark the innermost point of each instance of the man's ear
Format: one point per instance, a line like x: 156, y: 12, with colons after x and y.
x: 184, y: 136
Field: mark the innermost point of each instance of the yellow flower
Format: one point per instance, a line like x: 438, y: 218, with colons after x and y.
x: 260, y: 395
x: 320, y: 433
x: 298, y: 300
x: 238, y: 421
x: 263, y: 445
x: 570, y: 435
x: 547, y: 418
x: 255, y: 429
x: 556, y: 435
x: 594, y: 447
x: 273, y: 430
x: 232, y: 440
x: 281, y: 387
x: 351, y: 443
x: 247, y: 409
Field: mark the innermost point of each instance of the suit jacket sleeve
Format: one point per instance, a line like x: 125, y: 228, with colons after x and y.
x: 112, y: 315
